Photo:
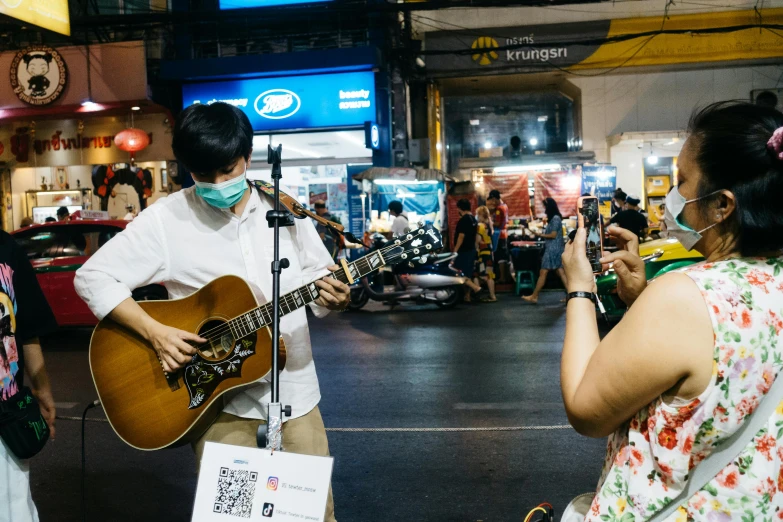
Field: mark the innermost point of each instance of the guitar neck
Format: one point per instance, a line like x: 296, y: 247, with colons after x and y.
x: 257, y: 318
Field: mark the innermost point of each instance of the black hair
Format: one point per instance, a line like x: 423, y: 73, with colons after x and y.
x: 767, y: 99
x: 319, y: 204
x: 516, y: 142
x: 50, y: 219
x: 62, y: 211
x: 47, y: 57
x: 207, y: 138
x: 550, y: 205
x: 396, y: 207
x: 732, y: 154
x: 633, y: 201
x: 494, y: 194
x: 463, y: 205
x: 620, y: 195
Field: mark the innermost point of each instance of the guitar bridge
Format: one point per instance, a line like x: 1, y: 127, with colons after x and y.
x: 173, y: 381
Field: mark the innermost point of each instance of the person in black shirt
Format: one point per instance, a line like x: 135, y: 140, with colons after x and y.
x: 618, y: 201
x: 631, y: 218
x: 465, y: 245
x: 24, y: 316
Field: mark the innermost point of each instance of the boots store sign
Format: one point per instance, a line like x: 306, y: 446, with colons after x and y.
x: 295, y: 102
x: 38, y: 75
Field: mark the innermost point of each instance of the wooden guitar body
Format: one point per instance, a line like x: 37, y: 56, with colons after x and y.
x: 150, y: 410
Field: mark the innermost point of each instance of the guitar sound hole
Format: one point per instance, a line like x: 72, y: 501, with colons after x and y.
x: 221, y: 342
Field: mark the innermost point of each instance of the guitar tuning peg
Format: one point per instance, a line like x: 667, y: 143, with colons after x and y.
x: 421, y: 224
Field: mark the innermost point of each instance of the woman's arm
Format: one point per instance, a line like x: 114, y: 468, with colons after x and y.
x: 606, y: 382
x: 39, y: 381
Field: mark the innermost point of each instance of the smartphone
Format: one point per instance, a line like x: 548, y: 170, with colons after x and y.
x: 589, y: 218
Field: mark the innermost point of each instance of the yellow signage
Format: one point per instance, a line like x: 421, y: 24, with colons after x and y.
x: 686, y: 47
x: 485, y: 50
x: 48, y: 14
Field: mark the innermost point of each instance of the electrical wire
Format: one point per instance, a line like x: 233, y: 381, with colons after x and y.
x: 540, y: 508
x: 90, y: 406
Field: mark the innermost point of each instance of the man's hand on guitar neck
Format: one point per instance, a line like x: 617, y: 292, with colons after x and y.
x: 170, y: 343
x: 334, y: 295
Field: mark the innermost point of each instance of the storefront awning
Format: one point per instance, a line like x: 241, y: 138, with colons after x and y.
x: 95, y: 110
x: 403, y: 174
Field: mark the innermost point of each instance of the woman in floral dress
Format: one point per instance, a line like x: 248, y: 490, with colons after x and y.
x: 679, y: 390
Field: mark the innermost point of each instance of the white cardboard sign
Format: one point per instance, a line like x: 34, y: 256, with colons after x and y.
x: 238, y: 483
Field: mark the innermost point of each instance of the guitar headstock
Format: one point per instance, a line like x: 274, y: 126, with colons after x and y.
x: 414, y: 245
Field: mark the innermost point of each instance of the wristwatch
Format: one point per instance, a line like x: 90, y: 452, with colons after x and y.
x: 587, y: 295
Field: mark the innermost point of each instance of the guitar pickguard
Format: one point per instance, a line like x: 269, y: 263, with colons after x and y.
x: 202, y: 376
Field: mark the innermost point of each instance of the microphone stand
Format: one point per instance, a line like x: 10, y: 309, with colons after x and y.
x: 270, y: 435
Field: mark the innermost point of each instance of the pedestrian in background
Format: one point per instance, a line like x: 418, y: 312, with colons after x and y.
x: 554, y: 244
x: 499, y: 212
x: 400, y: 223
x: 484, y: 265
x: 631, y: 218
x: 465, y: 246
x: 329, y: 242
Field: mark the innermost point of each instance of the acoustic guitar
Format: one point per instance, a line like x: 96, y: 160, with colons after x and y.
x: 149, y: 409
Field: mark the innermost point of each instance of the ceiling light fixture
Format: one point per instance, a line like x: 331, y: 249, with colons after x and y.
x: 533, y: 142
x: 526, y: 168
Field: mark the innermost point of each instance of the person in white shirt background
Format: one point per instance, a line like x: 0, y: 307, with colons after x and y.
x: 214, y: 229
x: 400, y: 223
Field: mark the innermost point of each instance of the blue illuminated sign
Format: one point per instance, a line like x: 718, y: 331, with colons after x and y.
x: 372, y: 135
x: 294, y: 102
x: 240, y: 4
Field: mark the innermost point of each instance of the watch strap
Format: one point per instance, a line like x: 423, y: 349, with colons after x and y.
x: 587, y: 295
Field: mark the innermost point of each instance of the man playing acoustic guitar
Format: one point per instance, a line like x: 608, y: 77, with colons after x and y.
x: 214, y: 229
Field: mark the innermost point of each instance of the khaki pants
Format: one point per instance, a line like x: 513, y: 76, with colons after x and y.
x: 305, y: 435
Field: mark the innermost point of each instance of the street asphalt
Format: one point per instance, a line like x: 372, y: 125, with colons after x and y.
x: 479, y: 367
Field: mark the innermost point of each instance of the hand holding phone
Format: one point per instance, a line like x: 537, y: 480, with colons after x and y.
x: 589, y: 218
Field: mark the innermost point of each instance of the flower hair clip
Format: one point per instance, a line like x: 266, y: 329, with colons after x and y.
x: 775, y: 143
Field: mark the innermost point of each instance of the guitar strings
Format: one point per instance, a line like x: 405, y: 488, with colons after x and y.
x: 288, y: 299
x: 242, y: 321
x: 216, y: 333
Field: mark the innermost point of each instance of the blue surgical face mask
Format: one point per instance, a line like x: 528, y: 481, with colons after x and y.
x: 223, y: 195
x: 675, y: 203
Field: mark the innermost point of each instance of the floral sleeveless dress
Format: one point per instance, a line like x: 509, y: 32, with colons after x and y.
x: 649, y: 458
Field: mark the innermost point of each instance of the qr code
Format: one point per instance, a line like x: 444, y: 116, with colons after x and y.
x: 235, y: 491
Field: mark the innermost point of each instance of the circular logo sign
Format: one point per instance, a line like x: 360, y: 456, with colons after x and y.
x: 485, y: 50
x: 277, y: 104
x: 375, y: 137
x: 38, y: 75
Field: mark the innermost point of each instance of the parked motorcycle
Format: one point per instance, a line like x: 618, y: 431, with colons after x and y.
x: 432, y: 279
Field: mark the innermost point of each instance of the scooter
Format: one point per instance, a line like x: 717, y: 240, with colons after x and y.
x: 430, y: 280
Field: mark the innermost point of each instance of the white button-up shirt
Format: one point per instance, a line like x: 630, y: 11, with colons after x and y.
x: 184, y: 243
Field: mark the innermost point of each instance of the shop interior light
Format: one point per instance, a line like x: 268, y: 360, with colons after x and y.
x: 533, y: 142
x: 350, y: 137
x: 543, y: 118
x: 404, y: 182
x: 652, y: 159
x: 474, y: 122
x: 91, y: 106
x: 135, y: 108
x: 303, y: 152
x: 438, y: 146
x: 488, y: 145
x: 514, y: 169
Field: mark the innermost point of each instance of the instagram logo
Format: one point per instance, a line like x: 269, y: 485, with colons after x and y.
x: 272, y: 483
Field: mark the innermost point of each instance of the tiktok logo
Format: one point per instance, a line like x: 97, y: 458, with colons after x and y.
x: 268, y: 510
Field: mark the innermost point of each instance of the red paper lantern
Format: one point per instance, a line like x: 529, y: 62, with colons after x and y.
x: 132, y: 140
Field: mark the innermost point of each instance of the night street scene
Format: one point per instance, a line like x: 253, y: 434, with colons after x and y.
x: 380, y: 261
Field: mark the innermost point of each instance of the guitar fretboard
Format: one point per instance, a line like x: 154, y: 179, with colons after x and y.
x: 257, y: 318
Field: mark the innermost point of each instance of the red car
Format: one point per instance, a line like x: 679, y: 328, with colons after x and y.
x: 57, y: 250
